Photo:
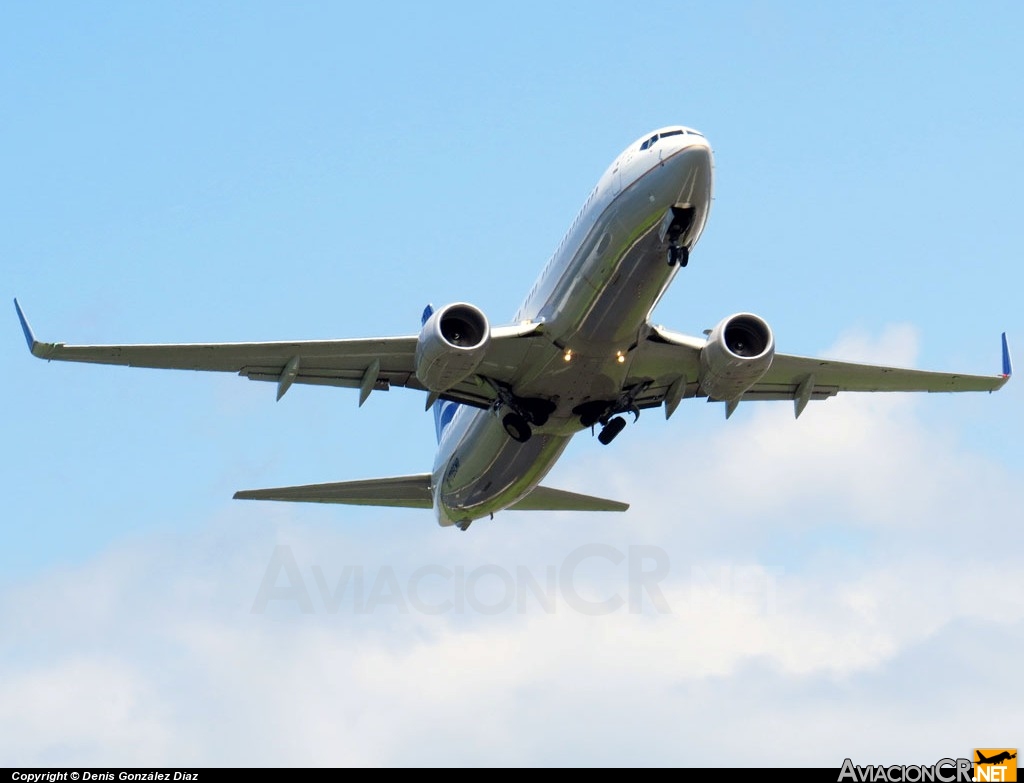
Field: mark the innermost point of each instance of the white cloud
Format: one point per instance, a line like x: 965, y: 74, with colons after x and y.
x: 838, y: 586
x: 81, y: 710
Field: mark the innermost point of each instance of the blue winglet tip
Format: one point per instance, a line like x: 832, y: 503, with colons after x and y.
x: 30, y: 338
x: 1007, y: 365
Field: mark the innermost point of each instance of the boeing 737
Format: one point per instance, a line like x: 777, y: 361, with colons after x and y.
x: 580, y: 354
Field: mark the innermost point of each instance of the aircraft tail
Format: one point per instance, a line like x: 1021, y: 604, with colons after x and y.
x: 444, y: 410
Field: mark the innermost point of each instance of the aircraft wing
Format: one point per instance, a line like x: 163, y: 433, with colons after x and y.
x: 670, y: 363
x: 364, y: 364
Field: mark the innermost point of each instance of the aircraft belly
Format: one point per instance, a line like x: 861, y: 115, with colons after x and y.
x: 488, y: 471
x: 614, y: 273
x: 572, y: 383
x: 621, y: 270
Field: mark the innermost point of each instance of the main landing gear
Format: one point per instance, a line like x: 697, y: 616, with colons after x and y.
x: 517, y: 427
x: 606, y: 413
x: 611, y: 429
x: 523, y: 413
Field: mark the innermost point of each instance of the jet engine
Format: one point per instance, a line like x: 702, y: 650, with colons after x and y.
x: 738, y: 352
x: 451, y: 346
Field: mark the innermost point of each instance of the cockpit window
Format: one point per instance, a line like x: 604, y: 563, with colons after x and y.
x: 665, y: 134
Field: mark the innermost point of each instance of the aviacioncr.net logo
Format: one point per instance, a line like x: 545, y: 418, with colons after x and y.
x: 942, y: 771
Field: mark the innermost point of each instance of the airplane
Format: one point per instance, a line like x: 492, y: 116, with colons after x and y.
x: 580, y: 353
x: 996, y: 759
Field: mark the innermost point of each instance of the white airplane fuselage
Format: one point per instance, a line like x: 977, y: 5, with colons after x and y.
x: 593, y: 298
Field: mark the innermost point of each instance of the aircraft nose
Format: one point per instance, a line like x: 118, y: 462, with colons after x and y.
x: 696, y: 141
x: 703, y: 151
x: 694, y: 144
x: 693, y: 169
x: 694, y: 152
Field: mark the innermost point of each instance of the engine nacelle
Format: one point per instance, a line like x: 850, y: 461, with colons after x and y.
x: 738, y: 352
x: 451, y: 346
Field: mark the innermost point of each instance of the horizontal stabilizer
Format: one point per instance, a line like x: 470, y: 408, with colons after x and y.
x: 414, y: 492
x: 548, y: 499
x: 399, y: 491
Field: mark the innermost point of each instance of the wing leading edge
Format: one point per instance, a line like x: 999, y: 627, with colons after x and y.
x: 672, y: 360
x: 374, y: 364
x: 667, y: 363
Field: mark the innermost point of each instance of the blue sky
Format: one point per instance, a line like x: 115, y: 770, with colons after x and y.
x: 260, y: 171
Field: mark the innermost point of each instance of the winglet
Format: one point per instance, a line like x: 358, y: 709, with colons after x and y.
x: 1007, y: 365
x: 30, y: 338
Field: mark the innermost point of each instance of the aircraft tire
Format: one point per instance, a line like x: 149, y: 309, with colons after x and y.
x: 516, y: 427
x: 611, y: 429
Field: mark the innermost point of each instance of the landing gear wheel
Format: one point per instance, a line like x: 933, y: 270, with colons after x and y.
x: 611, y: 429
x: 678, y: 254
x: 516, y: 427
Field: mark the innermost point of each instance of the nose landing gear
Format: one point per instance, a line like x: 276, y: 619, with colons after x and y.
x: 677, y: 221
x: 678, y: 254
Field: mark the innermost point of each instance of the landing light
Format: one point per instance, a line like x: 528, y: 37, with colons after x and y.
x: 568, y: 354
x: 620, y: 358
